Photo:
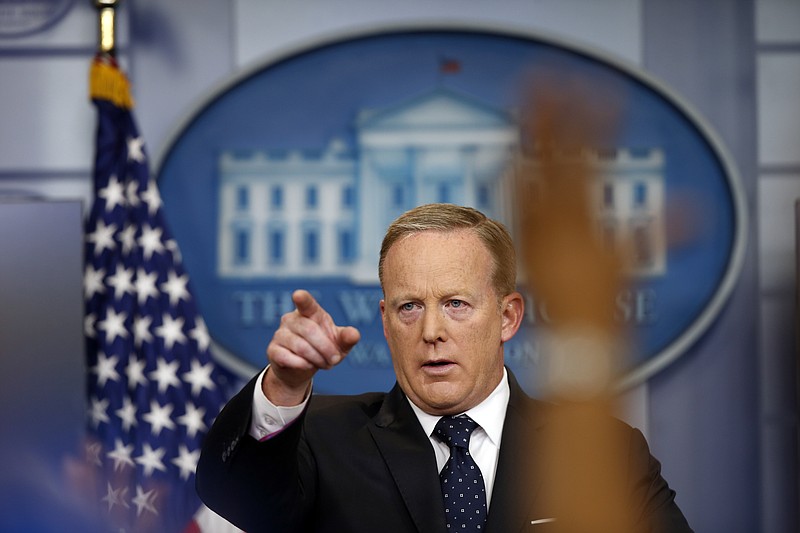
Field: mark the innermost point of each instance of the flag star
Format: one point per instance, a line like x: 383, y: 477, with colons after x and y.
x: 200, y: 377
x: 113, y: 193
x: 171, y: 330
x: 159, y: 417
x: 121, y: 454
x: 88, y: 325
x: 193, y: 419
x: 186, y: 461
x: 128, y: 238
x: 150, y: 241
x: 93, y: 281
x: 93, y: 450
x: 102, y: 237
x: 200, y: 334
x: 121, y: 282
x: 115, y: 497
x: 144, y: 501
x: 175, y: 286
x: 172, y: 246
x: 97, y: 411
x: 136, y: 149
x: 113, y: 325
x: 152, y: 197
x: 127, y: 413
x: 151, y: 459
x: 106, y: 368
x: 146, y: 285
x: 135, y: 372
x: 166, y: 374
x: 133, y: 193
x: 141, y: 330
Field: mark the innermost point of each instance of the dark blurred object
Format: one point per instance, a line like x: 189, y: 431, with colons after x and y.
x: 41, y: 366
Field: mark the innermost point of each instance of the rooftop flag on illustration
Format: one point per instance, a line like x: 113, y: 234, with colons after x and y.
x: 153, y: 388
x: 449, y: 65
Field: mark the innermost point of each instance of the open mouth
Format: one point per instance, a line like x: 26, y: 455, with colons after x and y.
x: 434, y: 364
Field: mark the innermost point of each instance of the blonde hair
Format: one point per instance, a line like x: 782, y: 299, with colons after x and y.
x: 450, y: 217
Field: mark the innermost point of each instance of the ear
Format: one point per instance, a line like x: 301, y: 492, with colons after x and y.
x: 383, y: 317
x: 513, y: 310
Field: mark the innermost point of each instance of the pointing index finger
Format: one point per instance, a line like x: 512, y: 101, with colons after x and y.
x: 306, y: 305
x: 335, y: 341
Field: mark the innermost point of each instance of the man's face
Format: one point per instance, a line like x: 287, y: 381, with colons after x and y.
x: 444, y: 321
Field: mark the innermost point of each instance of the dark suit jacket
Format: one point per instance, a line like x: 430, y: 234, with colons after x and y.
x: 362, y: 463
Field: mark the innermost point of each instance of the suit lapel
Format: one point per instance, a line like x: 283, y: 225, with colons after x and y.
x: 409, y: 457
x: 408, y: 454
x: 516, y: 486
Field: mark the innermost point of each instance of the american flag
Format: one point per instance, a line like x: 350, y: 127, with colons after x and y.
x: 153, y: 387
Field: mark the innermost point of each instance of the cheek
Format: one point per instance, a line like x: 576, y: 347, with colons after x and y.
x: 396, y: 334
x: 486, y: 341
x: 394, y: 330
x: 389, y: 327
x: 401, y: 326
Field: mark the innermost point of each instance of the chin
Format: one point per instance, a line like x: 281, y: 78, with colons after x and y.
x: 445, y: 404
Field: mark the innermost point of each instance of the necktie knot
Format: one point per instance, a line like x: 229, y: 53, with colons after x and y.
x: 455, y: 430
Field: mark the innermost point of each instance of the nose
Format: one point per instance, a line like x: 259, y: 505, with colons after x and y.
x: 433, y: 326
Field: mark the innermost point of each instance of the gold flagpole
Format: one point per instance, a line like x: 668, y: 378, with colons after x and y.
x: 106, y: 25
x: 106, y: 80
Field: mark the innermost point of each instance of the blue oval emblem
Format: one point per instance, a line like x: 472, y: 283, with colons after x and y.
x: 288, y: 177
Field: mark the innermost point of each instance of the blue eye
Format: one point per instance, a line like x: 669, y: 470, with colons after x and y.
x: 456, y: 303
x: 407, y: 306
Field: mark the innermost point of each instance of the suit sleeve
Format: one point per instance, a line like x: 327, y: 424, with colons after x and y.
x: 656, y: 508
x: 258, y: 486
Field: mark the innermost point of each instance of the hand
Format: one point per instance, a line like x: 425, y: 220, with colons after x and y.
x: 306, y: 341
x: 568, y: 268
x: 583, y: 461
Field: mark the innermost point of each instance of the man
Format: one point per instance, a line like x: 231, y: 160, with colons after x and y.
x: 280, y: 459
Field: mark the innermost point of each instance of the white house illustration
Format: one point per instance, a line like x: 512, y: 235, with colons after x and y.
x: 323, y: 214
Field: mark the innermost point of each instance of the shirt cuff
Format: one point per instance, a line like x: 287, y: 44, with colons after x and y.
x: 269, y: 419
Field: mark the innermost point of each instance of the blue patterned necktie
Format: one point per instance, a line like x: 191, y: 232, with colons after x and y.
x: 462, y: 482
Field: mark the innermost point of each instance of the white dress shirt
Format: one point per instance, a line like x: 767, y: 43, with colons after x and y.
x: 484, y: 444
x: 269, y: 419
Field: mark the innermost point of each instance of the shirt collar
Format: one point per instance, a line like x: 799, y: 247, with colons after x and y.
x: 490, y: 414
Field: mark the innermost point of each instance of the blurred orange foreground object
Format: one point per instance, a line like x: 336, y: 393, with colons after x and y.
x: 576, y: 276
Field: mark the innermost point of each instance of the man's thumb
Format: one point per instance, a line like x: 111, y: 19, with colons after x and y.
x: 348, y: 337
